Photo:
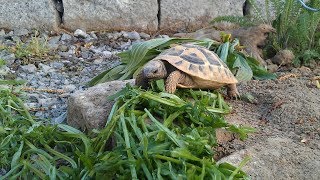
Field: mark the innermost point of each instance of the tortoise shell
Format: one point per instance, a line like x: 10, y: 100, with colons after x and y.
x: 198, y: 62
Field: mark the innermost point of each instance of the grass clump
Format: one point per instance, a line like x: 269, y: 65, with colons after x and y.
x: 154, y: 135
x: 36, y: 49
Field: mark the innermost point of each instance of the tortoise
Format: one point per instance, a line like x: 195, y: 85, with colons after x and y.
x: 188, y: 66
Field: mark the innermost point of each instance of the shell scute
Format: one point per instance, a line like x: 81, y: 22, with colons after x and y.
x: 198, y: 62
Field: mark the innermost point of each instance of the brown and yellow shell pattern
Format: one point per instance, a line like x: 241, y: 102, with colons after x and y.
x: 198, y: 62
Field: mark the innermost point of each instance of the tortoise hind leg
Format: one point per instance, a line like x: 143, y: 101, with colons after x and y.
x: 233, y: 91
x: 173, y: 80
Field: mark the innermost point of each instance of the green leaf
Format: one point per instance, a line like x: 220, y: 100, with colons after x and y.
x: 16, y: 156
x: 173, y: 137
x: 243, y: 70
x: 184, y: 153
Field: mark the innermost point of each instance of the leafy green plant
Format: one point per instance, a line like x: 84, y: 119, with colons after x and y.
x: 133, y: 60
x: 297, y: 27
x: 144, y: 147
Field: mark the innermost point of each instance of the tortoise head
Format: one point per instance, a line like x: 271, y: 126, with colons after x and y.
x: 154, y: 70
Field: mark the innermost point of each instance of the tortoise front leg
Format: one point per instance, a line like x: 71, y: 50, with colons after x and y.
x: 173, y: 80
x: 233, y: 91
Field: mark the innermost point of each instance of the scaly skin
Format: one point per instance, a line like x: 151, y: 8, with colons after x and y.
x: 173, y: 80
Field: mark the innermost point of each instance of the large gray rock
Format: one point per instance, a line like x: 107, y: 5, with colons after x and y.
x: 111, y: 14
x: 89, y: 109
x: 193, y: 14
x: 278, y: 158
x: 30, y: 14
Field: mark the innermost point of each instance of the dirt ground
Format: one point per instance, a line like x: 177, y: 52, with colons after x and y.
x: 286, y: 108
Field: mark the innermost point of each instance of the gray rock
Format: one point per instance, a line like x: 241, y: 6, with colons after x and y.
x: 93, y: 35
x: 69, y: 88
x: 111, y: 15
x: 2, y: 32
x: 30, y: 68
x: 47, y: 102
x: 191, y: 14
x: 7, y: 57
x: 53, y: 43
x: 98, y: 61
x: 278, y: 158
x: 65, y: 37
x: 131, y: 35
x: 21, y: 31
x: 45, y: 68
x: 57, y: 65
x: 85, y: 54
x: 28, y: 14
x: 63, y: 48
x: 89, y: 109
x: 144, y: 35
x: 107, y: 54
x: 80, y: 33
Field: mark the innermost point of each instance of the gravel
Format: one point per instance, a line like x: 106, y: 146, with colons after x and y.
x: 75, y: 58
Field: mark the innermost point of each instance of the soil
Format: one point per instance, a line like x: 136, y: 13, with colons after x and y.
x: 285, y: 108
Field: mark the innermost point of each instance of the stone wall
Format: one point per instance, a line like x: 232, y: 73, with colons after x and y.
x: 140, y: 15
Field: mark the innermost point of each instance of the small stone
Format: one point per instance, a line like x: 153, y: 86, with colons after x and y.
x: 45, y: 68
x: 125, y: 45
x: 57, y: 65
x: 63, y: 48
x: 30, y: 68
x: 69, y: 88
x: 2, y: 32
x: 98, y: 61
x: 65, y: 37
x: 85, y: 54
x: 8, y: 57
x: 80, y: 33
x: 47, y: 102
x: 39, y: 114
x: 31, y: 105
x: 21, y: 32
x: 53, y: 42
x: 107, y: 54
x: 144, y: 35
x: 93, y: 35
x: 164, y: 36
x: 131, y: 35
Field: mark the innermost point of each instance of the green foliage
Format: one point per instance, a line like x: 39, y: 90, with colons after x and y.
x: 140, y: 53
x: 297, y: 28
x: 155, y: 135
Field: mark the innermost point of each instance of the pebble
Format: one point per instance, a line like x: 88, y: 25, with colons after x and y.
x: 7, y: 57
x: 21, y: 32
x: 65, y: 37
x: 45, y: 68
x: 131, y: 35
x: 2, y: 32
x: 53, y: 43
x: 30, y: 68
x: 80, y: 33
x: 144, y: 35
